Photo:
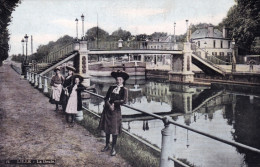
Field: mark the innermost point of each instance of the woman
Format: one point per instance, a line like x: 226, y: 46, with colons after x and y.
x: 111, y: 118
x: 56, y: 85
x: 74, y: 103
x: 67, y: 82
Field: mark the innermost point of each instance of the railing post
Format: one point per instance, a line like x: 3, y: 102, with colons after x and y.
x: 27, y: 74
x: 36, y: 80
x: 167, y: 143
x: 40, y: 82
x: 45, y: 89
x: 32, y: 78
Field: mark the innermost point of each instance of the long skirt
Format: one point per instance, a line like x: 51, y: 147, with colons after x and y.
x: 64, y: 99
x: 72, y: 103
x: 111, y: 121
x: 56, y: 92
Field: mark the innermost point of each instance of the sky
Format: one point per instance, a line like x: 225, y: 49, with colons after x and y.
x: 48, y: 20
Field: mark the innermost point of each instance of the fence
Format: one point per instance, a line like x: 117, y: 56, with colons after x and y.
x: 136, y: 45
x: 166, y: 156
x: 166, y: 159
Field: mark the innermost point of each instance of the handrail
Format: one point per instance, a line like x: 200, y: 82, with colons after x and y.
x: 222, y: 61
x: 232, y: 143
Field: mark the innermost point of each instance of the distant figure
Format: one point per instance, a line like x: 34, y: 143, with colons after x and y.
x: 67, y: 82
x: 56, y: 85
x: 251, y: 68
x: 111, y: 118
x: 75, y: 102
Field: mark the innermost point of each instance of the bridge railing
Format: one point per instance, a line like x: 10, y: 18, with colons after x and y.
x: 59, y: 53
x: 210, y: 59
x: 43, y: 83
x: 136, y: 45
x: 166, y: 154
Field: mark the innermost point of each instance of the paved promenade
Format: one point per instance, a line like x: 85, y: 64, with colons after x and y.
x: 30, y: 129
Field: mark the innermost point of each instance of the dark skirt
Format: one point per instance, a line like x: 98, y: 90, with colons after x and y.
x: 111, y: 121
x: 63, y: 100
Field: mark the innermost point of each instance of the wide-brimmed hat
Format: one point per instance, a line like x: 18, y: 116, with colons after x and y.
x: 120, y: 73
x: 70, y: 68
x: 77, y: 76
x: 57, y: 68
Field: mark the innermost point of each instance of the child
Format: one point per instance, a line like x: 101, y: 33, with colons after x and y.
x: 74, y: 103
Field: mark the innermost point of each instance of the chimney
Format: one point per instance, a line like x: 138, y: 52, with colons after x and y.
x: 210, y: 31
x: 225, y: 32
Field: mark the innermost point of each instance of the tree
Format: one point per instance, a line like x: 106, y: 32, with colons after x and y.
x: 6, y: 9
x: 95, y: 33
x: 120, y: 34
x: 244, y: 19
x: 157, y: 35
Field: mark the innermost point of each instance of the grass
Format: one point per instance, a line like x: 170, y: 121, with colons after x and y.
x: 132, y: 150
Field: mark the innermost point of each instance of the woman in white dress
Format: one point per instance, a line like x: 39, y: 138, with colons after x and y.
x: 75, y: 102
x: 56, y: 86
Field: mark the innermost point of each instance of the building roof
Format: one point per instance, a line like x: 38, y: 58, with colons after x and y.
x: 202, y: 33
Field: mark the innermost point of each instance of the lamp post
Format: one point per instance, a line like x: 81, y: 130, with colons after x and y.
x: 23, y: 46
x: 187, y: 35
x: 174, y: 39
x: 82, y: 18
x: 22, y: 65
x: 234, y: 55
x: 76, y: 28
x: 26, y: 41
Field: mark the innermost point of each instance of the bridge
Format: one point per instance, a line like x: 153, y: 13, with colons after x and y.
x: 182, y: 57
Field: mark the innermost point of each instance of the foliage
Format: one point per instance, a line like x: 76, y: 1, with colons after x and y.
x: 244, y: 18
x: 17, y: 58
x: 142, y: 37
x: 95, y: 33
x: 6, y: 9
x: 121, y: 34
x: 44, y: 50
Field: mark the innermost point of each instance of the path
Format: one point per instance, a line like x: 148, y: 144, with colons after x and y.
x: 30, y: 129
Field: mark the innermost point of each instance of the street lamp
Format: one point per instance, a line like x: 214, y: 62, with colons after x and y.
x: 77, y: 28
x: 82, y: 18
x: 234, y: 55
x: 26, y: 41
x: 22, y: 65
x: 174, y: 39
x: 187, y: 22
x: 23, y: 45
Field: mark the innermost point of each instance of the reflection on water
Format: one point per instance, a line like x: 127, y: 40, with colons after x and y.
x: 220, y: 113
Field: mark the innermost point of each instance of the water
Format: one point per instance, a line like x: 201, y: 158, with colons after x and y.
x: 224, y: 114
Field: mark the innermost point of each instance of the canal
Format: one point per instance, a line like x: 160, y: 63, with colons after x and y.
x: 228, y: 115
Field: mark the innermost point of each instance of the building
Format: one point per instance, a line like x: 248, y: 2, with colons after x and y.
x: 210, y: 41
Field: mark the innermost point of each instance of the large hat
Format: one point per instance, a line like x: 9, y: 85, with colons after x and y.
x: 57, y: 68
x: 120, y: 73
x: 70, y: 68
x: 77, y: 76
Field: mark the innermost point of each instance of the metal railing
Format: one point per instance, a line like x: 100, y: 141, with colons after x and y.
x: 211, y: 58
x: 136, y: 45
x: 166, y: 135
x: 43, y: 82
x: 59, y: 53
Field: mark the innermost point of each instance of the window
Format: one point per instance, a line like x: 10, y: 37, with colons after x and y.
x: 221, y: 53
x: 221, y: 44
x: 229, y: 46
x: 198, y: 43
x: 214, y: 44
